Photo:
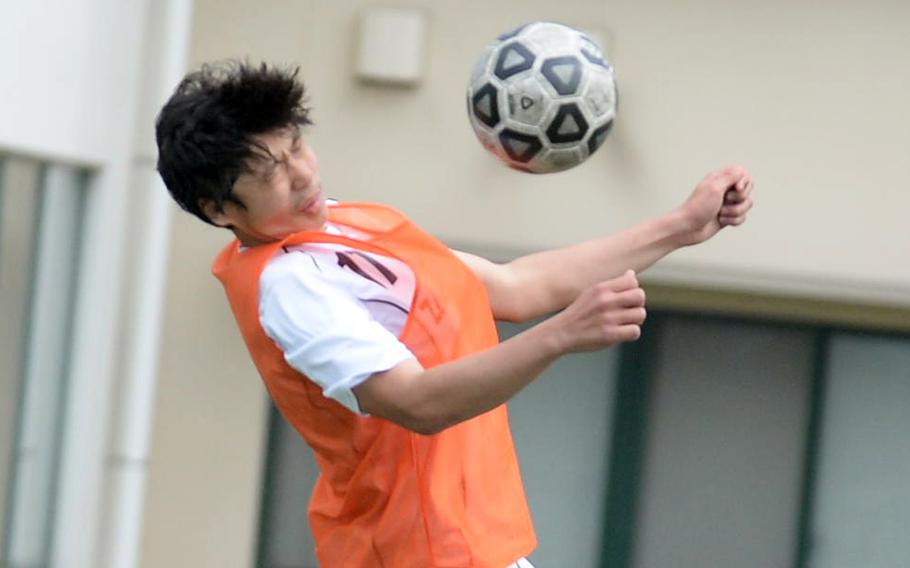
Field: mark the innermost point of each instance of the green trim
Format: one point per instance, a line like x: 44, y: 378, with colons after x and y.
x: 627, y: 448
x: 813, y: 440
x: 269, y: 469
x: 815, y: 311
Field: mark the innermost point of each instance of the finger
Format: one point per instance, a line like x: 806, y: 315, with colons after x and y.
x: 632, y: 298
x: 745, y: 184
x: 738, y: 171
x: 736, y: 180
x: 620, y: 283
x: 731, y: 221
x: 736, y: 209
x: 742, y: 176
x: 739, y: 208
x: 629, y: 332
x: 727, y: 178
x: 743, y: 181
x: 632, y: 316
x: 735, y: 196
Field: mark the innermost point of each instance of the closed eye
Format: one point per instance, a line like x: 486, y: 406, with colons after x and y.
x: 296, y: 145
x: 268, y: 172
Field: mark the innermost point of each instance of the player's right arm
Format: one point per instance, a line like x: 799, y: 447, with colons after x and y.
x: 429, y: 400
x: 546, y: 281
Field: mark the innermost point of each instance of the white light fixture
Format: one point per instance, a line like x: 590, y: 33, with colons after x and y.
x: 391, y: 46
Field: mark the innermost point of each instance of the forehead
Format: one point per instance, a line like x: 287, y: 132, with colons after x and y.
x: 267, y: 150
x: 274, y: 142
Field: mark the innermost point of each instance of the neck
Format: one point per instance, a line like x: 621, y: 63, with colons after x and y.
x: 252, y: 240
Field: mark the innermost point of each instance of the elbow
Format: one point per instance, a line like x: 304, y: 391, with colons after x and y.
x: 404, y: 396
x: 516, y: 309
x: 520, y: 306
x: 410, y: 419
x: 511, y: 315
x: 427, y: 429
x: 425, y: 423
x: 427, y: 414
x: 427, y: 418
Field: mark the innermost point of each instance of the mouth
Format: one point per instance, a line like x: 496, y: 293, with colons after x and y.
x: 311, y: 205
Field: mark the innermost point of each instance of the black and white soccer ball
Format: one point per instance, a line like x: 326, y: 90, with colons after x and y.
x: 542, y: 98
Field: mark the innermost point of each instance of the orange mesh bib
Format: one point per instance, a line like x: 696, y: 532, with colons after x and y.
x: 388, y: 497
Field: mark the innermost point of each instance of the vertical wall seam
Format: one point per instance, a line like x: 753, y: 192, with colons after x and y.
x: 811, y: 454
x: 627, y: 447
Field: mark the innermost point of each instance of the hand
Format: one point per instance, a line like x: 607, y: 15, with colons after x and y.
x: 605, y: 314
x: 721, y: 199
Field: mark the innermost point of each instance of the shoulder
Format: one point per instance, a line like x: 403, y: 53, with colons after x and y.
x: 297, y: 277
x: 297, y: 298
x: 288, y: 266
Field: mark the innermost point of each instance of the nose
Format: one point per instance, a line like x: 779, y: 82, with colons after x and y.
x: 301, y: 171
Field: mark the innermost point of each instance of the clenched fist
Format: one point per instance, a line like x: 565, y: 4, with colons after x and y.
x: 605, y: 314
x: 722, y: 198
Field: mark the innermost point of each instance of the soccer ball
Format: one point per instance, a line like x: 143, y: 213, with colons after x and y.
x: 542, y: 98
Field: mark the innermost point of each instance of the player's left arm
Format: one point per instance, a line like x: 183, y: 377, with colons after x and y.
x: 547, y: 281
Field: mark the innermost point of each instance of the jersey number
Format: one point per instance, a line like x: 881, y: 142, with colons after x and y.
x: 346, y: 260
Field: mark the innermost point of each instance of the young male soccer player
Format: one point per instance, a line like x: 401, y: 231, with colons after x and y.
x: 377, y: 342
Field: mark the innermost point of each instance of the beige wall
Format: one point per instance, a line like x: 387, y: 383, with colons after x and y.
x: 811, y: 100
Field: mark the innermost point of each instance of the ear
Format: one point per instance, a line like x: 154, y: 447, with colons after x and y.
x: 216, y: 214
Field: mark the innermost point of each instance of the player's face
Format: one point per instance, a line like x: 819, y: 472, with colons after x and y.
x: 281, y: 194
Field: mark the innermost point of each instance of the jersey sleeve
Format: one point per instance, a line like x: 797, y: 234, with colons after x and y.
x: 323, y: 330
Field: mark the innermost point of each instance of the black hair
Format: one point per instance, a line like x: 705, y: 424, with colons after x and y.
x: 205, y: 130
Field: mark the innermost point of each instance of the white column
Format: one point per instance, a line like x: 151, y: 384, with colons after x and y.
x: 114, y: 40
x: 167, y: 33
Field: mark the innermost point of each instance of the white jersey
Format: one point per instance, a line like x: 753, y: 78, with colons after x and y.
x: 336, y: 313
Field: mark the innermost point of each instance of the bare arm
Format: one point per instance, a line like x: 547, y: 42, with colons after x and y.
x: 429, y: 400
x: 601, y: 309
x: 547, y: 281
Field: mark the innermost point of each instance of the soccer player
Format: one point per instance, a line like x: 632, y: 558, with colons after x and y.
x: 378, y: 343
